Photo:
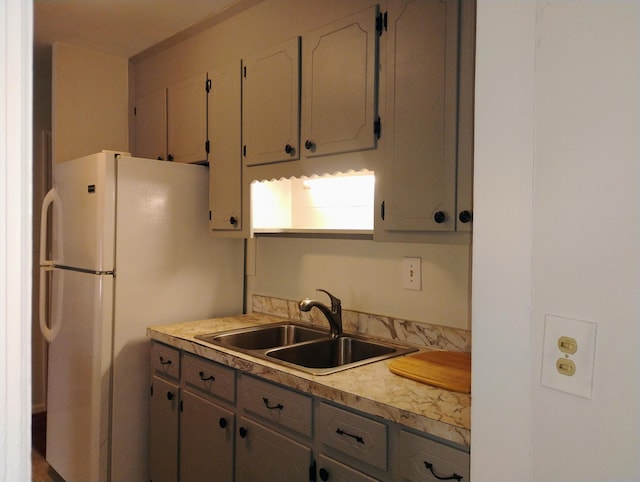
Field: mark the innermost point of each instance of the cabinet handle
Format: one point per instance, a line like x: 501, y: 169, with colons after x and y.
x: 204, y: 379
x: 308, y: 145
x: 272, y: 407
x: 439, y: 217
x: 465, y: 216
x: 222, y: 422
x: 324, y: 474
x: 243, y: 432
x: 288, y: 149
x: 358, y: 439
x: 450, y: 477
x: 169, y: 157
x: 164, y: 362
x: 233, y: 220
x: 169, y: 395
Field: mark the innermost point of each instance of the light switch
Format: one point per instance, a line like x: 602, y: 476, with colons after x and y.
x: 568, y: 355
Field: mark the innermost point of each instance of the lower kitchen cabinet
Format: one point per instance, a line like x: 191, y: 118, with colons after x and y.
x: 331, y: 470
x: 210, y: 422
x: 163, y: 431
x: 264, y: 454
x: 206, y: 440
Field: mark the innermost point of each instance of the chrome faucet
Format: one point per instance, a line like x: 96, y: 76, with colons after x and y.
x: 333, y: 314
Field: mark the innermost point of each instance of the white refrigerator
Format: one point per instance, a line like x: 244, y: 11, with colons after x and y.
x: 130, y: 248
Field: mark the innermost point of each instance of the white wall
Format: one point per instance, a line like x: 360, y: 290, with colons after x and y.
x: 570, y: 162
x: 367, y: 276
x: 90, y: 102
x: 16, y: 20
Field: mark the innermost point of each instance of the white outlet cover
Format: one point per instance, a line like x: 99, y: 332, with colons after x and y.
x: 584, y: 332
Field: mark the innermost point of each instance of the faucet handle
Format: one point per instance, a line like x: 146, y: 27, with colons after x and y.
x: 336, y: 303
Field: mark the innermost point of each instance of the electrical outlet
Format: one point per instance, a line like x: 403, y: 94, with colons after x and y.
x: 568, y: 355
x: 411, y: 274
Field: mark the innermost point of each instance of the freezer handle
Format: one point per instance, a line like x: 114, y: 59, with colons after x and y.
x: 51, y: 198
x: 46, y: 265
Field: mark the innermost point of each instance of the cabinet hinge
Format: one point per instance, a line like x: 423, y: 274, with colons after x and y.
x: 312, y: 472
x: 206, y: 146
x: 207, y: 86
x: 382, y: 210
x: 135, y: 111
x: 151, y: 390
x: 209, y: 215
x: 381, y: 23
x: 244, y: 72
x: 244, y: 150
x: 181, y: 406
x: 377, y: 128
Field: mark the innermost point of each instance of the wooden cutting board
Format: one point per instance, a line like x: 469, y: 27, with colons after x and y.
x: 444, y: 369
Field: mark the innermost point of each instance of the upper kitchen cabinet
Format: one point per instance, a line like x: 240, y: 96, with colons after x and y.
x: 425, y: 183
x: 225, y: 164
x: 171, y: 123
x: 151, y: 126
x: 271, y: 104
x: 339, y: 91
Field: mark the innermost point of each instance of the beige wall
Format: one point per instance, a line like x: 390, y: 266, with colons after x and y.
x: 90, y: 102
x: 365, y: 274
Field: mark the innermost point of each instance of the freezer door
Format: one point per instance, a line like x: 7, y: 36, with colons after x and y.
x: 79, y: 375
x: 84, y: 236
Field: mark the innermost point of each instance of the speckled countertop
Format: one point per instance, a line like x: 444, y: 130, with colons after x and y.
x: 370, y: 388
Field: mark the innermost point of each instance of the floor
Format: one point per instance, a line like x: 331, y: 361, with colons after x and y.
x: 39, y: 466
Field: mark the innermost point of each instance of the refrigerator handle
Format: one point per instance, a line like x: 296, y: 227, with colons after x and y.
x: 51, y: 198
x: 46, y: 265
x: 49, y: 334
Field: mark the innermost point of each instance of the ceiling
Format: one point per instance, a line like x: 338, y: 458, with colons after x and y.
x: 119, y: 27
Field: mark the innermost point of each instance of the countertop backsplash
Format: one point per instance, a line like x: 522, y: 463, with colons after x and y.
x: 435, y: 337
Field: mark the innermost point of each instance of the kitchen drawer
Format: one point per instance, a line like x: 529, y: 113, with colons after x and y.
x: 420, y: 458
x: 280, y: 406
x: 208, y: 378
x: 165, y: 361
x: 352, y: 434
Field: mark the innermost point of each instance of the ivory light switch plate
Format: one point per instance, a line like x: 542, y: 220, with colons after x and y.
x: 411, y: 274
x: 568, y: 355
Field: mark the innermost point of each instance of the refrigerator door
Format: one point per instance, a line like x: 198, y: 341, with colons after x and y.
x: 87, y: 190
x: 80, y: 375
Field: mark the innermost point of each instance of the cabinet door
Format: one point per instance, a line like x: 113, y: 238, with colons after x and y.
x: 263, y: 454
x: 225, y: 160
x: 187, y: 120
x: 333, y: 471
x: 339, y: 85
x: 163, y: 431
x: 271, y: 104
x: 206, y: 441
x: 151, y: 126
x: 419, y: 180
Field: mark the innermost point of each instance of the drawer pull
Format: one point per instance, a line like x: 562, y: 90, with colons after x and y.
x: 222, y: 422
x: 204, y: 379
x: 358, y: 439
x: 271, y: 407
x: 451, y: 477
x: 243, y: 432
x: 324, y: 474
x: 163, y: 361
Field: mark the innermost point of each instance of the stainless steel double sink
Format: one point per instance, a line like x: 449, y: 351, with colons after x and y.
x: 306, y: 348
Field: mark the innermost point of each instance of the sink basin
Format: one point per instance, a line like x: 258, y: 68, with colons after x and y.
x: 305, y: 348
x: 263, y: 337
x: 329, y: 355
